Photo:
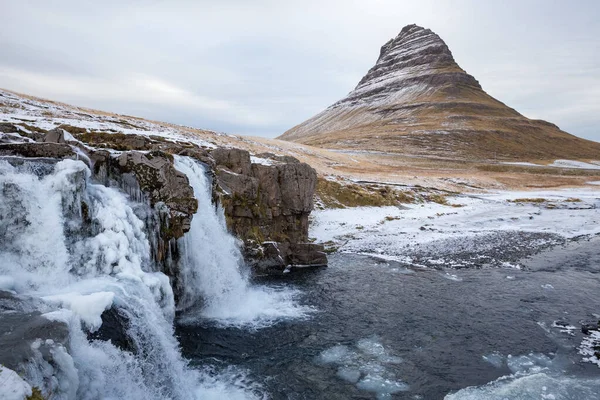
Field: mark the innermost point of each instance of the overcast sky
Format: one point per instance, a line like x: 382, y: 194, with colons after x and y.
x: 260, y: 67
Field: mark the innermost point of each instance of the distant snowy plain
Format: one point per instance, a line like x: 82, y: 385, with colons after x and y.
x: 423, y: 234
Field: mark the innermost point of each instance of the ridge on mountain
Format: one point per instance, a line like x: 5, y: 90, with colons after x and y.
x: 417, y: 100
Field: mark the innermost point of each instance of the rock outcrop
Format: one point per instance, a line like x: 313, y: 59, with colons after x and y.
x: 162, y: 183
x: 41, y: 150
x: 417, y: 100
x: 266, y: 206
x: 26, y: 335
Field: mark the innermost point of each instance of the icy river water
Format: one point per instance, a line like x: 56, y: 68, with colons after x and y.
x: 382, y: 329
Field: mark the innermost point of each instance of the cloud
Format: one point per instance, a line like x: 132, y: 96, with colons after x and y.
x: 264, y: 66
x: 140, y: 89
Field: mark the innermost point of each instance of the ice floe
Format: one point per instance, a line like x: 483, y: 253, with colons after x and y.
x: 367, y: 364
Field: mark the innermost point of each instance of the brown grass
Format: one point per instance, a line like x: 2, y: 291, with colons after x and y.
x: 529, y: 200
x: 340, y: 195
x: 405, y: 159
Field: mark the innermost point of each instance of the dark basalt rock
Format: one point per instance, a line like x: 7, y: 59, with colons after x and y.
x: 267, y: 206
x: 20, y: 326
x: 6, y: 127
x: 158, y: 178
x: 114, y: 329
x: 235, y: 160
x: 279, y: 257
x: 307, y: 255
x: 42, y: 150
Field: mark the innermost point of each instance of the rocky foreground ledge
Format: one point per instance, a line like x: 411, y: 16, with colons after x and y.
x: 267, y: 199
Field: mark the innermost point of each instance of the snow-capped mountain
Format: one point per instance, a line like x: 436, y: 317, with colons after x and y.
x: 418, y: 100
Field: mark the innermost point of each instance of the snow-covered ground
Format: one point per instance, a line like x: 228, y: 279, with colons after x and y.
x: 524, y: 163
x: 575, y: 164
x: 560, y: 164
x: 473, y: 230
x: 48, y: 115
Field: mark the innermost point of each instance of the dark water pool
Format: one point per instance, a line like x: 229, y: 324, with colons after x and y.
x: 384, y: 330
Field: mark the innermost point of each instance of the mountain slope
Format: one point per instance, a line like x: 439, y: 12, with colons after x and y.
x: 417, y: 100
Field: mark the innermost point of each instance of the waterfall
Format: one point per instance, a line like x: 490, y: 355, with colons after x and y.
x: 74, y: 249
x: 216, y: 285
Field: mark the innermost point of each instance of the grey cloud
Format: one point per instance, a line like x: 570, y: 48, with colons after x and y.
x: 261, y: 67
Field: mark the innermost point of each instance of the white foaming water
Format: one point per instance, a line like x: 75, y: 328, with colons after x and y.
x: 212, y: 269
x: 78, y: 272
x: 534, y: 377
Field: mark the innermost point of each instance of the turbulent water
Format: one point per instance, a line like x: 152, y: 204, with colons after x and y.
x: 72, y: 272
x: 387, y: 330
x: 215, y: 279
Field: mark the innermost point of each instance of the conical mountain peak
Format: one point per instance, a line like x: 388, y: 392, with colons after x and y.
x: 411, y: 40
x: 416, y: 99
x: 415, y: 61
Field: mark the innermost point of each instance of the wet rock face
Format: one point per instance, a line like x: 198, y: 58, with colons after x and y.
x: 21, y: 326
x: 114, y: 329
x: 268, y: 207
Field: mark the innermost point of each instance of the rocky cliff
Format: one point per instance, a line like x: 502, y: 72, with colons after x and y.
x: 266, y: 203
x: 417, y: 100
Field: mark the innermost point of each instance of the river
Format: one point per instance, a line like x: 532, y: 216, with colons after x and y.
x: 382, y: 329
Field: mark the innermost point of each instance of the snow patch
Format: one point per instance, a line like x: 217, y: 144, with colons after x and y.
x: 260, y: 160
x: 521, y: 163
x: 534, y: 377
x: 361, y: 230
x: 588, y: 347
x: 574, y: 164
x: 12, y: 386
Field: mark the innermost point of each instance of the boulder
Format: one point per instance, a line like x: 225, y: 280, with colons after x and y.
x: 277, y: 257
x: 56, y: 135
x: 114, y: 329
x: 20, y: 326
x: 236, y: 160
x: 42, y: 150
x: 266, y: 258
x: 307, y: 255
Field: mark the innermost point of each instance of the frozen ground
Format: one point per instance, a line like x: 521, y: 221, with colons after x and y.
x: 48, y: 115
x: 561, y: 164
x: 575, y: 164
x: 496, y: 228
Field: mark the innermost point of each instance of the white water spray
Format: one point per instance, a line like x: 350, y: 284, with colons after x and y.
x: 212, y: 268
x: 77, y: 274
